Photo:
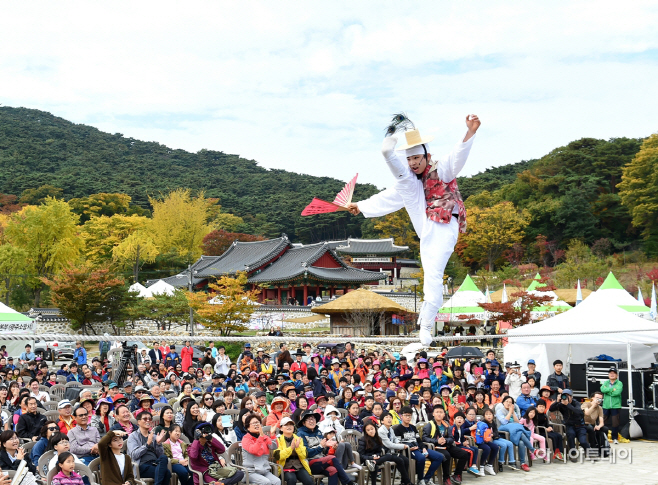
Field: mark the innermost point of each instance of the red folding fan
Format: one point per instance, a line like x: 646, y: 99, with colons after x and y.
x: 344, y: 197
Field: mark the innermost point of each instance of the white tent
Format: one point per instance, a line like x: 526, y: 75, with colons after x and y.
x: 550, y: 339
x: 14, y: 322
x: 142, y: 291
x: 160, y: 287
x: 463, y: 302
x: 613, y: 292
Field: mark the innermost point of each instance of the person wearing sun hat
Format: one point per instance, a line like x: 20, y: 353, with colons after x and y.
x: 427, y: 188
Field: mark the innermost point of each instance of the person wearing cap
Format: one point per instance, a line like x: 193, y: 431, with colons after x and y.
x: 135, y: 403
x: 266, y: 367
x: 611, y: 390
x: 574, y: 420
x: 279, y: 409
x: 247, y: 348
x: 494, y: 375
x: 291, y: 455
x: 428, y: 190
x: 317, y: 449
x: 336, y: 372
x: 261, y: 402
x: 247, y: 364
x: 66, y: 422
x: 145, y: 404
x: 533, y: 372
x: 80, y: 353
x: 405, y: 372
x: 514, y: 379
x: 299, y: 364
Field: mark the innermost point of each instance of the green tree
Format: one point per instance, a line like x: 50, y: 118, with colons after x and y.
x: 398, y: 226
x: 39, y: 195
x: 48, y: 235
x: 13, y: 268
x: 88, y: 296
x: 163, y: 309
x: 579, y: 263
x: 101, y: 204
x: 638, y: 190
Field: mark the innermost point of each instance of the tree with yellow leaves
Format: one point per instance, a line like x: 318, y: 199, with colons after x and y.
x: 136, y: 249
x: 639, y: 191
x: 492, y: 230
x: 102, y: 234
x: 48, y: 235
x: 398, y: 226
x: 230, y: 309
x: 180, y: 223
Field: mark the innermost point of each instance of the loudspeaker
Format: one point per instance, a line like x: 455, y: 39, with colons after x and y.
x: 638, y: 387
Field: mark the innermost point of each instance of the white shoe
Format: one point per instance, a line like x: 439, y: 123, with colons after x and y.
x: 615, y: 442
x: 481, y: 471
x: 489, y: 469
x: 355, y: 465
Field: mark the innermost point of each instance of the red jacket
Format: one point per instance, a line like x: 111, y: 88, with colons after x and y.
x: 298, y: 366
x: 186, y: 357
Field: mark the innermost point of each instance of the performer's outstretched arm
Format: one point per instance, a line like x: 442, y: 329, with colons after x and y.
x: 385, y: 202
x: 448, y: 167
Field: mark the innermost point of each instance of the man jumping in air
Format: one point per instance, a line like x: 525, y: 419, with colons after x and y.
x: 427, y: 188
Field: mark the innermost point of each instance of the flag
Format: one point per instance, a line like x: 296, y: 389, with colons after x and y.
x: 579, y: 294
x: 653, y: 311
x: 503, y: 299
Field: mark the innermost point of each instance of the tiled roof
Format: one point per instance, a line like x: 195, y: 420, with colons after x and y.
x: 296, y: 261
x: 379, y: 247
x: 241, y: 256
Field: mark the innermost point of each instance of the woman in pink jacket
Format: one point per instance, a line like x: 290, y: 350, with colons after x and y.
x: 256, y: 448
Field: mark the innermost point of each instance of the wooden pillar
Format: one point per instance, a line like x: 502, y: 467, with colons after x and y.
x: 332, y: 291
x: 319, y: 293
x: 305, y: 294
x: 278, y: 295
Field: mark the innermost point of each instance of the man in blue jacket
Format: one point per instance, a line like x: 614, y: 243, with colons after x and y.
x: 525, y: 400
x: 317, y: 446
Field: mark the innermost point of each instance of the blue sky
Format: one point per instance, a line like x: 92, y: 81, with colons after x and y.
x: 310, y: 86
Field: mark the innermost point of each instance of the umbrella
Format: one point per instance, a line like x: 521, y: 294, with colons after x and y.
x: 464, y: 352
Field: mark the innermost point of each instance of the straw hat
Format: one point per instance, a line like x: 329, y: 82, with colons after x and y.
x: 414, y: 139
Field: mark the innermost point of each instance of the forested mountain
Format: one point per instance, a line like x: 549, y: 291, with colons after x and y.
x: 37, y: 148
x: 570, y: 193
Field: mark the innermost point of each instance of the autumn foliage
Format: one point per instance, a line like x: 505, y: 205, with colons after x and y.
x: 216, y: 242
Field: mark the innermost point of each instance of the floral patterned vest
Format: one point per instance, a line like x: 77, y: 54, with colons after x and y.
x: 441, y: 198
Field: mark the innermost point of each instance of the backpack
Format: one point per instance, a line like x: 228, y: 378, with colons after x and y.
x: 483, y: 433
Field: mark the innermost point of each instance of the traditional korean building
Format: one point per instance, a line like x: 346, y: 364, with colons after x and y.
x: 286, y: 273
x: 376, y: 255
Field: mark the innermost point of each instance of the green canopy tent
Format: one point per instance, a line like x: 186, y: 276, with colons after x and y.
x: 14, y: 322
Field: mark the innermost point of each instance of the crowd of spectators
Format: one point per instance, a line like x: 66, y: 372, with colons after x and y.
x: 336, y: 412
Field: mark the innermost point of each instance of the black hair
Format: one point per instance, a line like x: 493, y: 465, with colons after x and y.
x: 142, y: 414
x: 54, y: 440
x: 61, y: 458
x: 372, y: 442
x: 44, y: 429
x: 406, y: 410
x: 527, y: 413
x: 249, y: 419
x: 558, y: 361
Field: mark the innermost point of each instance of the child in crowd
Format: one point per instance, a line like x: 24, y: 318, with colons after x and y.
x: 65, y: 471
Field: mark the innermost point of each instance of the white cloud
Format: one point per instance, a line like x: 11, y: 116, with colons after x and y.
x: 309, y: 87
